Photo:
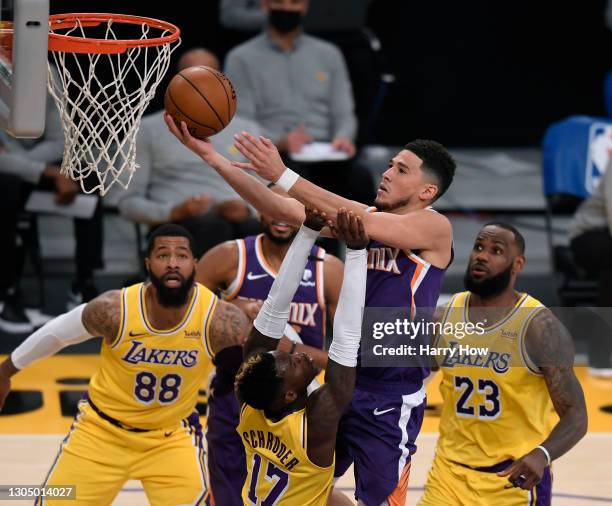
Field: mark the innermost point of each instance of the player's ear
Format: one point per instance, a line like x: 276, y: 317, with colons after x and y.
x: 429, y: 192
x: 519, y: 264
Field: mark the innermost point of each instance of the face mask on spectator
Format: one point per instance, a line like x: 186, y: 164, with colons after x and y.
x: 285, y: 21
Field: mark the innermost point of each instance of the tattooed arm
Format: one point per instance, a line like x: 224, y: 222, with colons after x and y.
x: 102, y: 315
x: 550, y: 347
x: 228, y: 327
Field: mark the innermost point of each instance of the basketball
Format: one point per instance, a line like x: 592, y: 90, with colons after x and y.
x: 203, y: 98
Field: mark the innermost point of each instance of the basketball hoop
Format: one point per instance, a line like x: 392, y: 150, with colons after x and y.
x: 108, y: 68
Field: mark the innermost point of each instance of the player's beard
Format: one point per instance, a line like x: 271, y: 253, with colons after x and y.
x: 488, y: 287
x: 276, y: 239
x: 386, y: 207
x: 172, y: 297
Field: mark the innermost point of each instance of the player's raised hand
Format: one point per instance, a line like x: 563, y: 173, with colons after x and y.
x: 527, y: 471
x: 349, y: 228
x: 201, y: 147
x: 315, y: 220
x: 262, y: 154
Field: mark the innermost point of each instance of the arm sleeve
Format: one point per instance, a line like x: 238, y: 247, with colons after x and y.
x: 239, y: 15
x: 60, y: 332
x: 274, y: 313
x: 134, y: 204
x: 347, y: 323
x: 344, y: 122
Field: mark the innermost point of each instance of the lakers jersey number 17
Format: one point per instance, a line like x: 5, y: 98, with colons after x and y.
x: 278, y: 468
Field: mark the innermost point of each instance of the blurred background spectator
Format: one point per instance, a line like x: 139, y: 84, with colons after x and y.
x: 26, y: 165
x: 591, y: 245
x: 297, y: 88
x: 341, y: 22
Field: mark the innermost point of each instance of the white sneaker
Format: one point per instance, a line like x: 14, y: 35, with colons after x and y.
x: 13, y: 319
x: 600, y: 372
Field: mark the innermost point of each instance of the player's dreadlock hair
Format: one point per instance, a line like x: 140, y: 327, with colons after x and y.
x: 257, y: 382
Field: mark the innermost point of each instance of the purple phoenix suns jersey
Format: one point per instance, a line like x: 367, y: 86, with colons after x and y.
x: 254, y: 280
x: 398, y: 278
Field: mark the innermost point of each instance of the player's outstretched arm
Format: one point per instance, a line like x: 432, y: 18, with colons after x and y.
x: 550, y: 347
x: 100, y: 317
x: 326, y: 405
x: 269, y: 326
x: 422, y: 229
x: 332, y: 282
x: 249, y: 188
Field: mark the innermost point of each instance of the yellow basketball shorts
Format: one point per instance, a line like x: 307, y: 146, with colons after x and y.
x: 98, y: 458
x: 451, y: 484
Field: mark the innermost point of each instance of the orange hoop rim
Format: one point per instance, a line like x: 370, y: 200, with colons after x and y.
x: 72, y: 44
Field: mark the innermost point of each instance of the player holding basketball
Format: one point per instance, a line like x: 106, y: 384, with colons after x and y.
x: 289, y: 437
x: 497, y: 435
x: 243, y: 271
x: 410, y: 251
x: 138, y: 421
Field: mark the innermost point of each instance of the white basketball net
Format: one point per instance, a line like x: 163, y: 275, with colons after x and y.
x: 101, y: 99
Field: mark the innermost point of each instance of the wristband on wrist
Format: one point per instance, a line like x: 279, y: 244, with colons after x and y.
x: 287, y: 179
x: 292, y: 350
x: 545, y: 453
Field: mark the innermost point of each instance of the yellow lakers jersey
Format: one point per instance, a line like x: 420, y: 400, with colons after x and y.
x: 278, y: 468
x: 149, y: 378
x: 496, y: 405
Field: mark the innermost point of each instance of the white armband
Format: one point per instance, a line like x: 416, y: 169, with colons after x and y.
x: 292, y: 335
x: 546, y: 452
x: 287, y: 179
x: 60, y: 332
x: 349, y: 314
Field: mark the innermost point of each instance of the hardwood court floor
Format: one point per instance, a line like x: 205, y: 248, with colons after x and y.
x: 29, y: 441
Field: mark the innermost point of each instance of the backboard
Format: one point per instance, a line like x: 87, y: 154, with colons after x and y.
x: 24, y: 33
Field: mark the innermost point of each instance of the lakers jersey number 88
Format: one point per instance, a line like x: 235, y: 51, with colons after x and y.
x: 149, y: 378
x: 496, y: 405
